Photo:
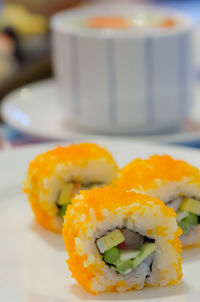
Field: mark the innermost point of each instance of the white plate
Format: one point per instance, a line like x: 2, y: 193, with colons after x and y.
x: 32, y: 260
x: 35, y: 109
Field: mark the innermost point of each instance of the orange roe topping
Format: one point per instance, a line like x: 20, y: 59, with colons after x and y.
x: 42, y: 216
x: 177, y: 244
x: 145, y: 173
x: 161, y: 231
x: 111, y: 198
x: 80, y: 154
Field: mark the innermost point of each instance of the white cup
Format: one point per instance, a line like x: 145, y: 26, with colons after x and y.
x: 124, y: 81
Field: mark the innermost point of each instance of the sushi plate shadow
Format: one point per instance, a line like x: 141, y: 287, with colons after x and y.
x: 192, y: 254
x: 146, y: 294
x: 54, y: 240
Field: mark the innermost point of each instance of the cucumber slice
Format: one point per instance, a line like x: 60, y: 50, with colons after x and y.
x: 63, y: 209
x: 111, y: 256
x: 188, y: 221
x: 110, y: 240
x: 191, y: 219
x: 184, y: 226
x: 146, y: 250
x: 190, y: 205
x: 129, y: 254
x: 181, y: 215
x: 65, y: 194
x: 124, y: 267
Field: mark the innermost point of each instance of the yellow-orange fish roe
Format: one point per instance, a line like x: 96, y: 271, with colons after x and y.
x: 93, y: 203
x: 111, y: 198
x: 145, y: 173
x: 42, y: 216
x: 46, y: 163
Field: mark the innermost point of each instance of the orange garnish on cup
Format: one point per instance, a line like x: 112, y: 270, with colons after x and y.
x: 166, y: 23
x: 108, y: 22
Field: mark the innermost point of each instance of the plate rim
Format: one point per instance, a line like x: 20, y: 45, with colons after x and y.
x: 9, y: 99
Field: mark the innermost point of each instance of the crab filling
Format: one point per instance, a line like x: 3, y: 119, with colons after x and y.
x: 188, y: 212
x: 124, y: 250
x: 68, y: 191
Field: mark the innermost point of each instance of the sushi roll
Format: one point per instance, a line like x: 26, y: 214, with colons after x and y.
x: 121, y: 241
x: 173, y: 181
x: 55, y: 176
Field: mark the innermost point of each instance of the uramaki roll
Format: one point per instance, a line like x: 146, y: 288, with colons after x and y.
x: 119, y: 241
x: 55, y: 176
x: 175, y: 182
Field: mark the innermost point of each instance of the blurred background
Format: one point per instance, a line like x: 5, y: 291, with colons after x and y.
x: 26, y: 57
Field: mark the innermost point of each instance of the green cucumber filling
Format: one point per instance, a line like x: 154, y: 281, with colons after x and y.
x: 124, y: 250
x: 68, y: 190
x: 188, y: 212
